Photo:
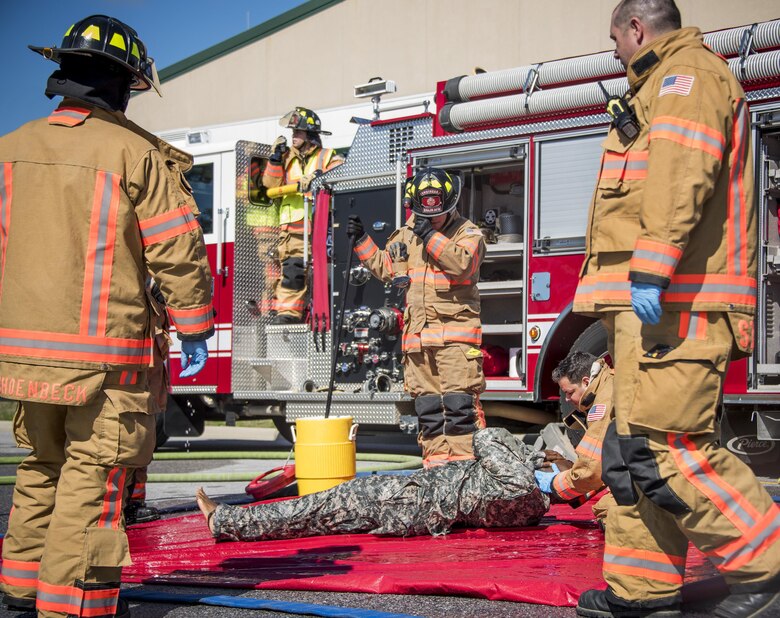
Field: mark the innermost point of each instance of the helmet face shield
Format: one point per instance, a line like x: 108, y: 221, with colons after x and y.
x: 150, y: 71
x: 100, y: 35
x: 433, y: 192
x: 304, y: 119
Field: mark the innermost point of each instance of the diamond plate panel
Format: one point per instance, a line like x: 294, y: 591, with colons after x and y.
x: 250, y: 284
x: 373, y: 414
x: 281, y: 374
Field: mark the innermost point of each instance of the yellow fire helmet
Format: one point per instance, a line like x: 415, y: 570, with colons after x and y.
x: 304, y: 119
x: 433, y: 192
x: 100, y: 35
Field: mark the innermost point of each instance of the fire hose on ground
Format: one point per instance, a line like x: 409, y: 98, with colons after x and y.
x: 387, y: 461
x: 287, y: 607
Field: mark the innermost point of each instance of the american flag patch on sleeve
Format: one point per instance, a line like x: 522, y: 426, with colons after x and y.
x: 596, y: 413
x: 676, y: 84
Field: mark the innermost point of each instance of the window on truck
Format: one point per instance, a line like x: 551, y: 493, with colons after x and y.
x: 254, y: 183
x: 567, y: 168
x: 201, y: 178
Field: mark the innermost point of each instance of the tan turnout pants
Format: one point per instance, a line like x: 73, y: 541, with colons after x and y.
x: 668, y: 381
x: 293, y: 287
x: 66, y: 541
x: 267, y: 251
x: 446, y: 383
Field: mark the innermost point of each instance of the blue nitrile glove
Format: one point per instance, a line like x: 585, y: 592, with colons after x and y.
x: 646, y: 302
x: 545, y: 479
x: 193, y: 357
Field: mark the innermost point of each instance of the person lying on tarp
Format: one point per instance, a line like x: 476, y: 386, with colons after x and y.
x: 497, y: 489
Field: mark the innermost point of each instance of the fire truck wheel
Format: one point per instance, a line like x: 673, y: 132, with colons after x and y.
x: 284, y: 428
x: 594, y: 340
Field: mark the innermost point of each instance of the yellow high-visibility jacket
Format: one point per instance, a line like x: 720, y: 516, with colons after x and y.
x: 89, y: 205
x: 674, y: 206
x: 442, y: 302
x: 294, y: 167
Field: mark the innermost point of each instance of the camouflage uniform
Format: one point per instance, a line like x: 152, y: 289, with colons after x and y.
x: 495, y: 490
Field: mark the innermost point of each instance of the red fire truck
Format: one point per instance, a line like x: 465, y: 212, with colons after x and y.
x: 527, y: 144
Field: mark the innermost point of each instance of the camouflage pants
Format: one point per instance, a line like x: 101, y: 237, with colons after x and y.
x: 495, y: 490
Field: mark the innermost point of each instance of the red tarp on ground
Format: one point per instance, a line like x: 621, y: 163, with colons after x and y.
x: 550, y: 564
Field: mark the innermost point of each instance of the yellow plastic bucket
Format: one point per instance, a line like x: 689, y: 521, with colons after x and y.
x: 324, y: 452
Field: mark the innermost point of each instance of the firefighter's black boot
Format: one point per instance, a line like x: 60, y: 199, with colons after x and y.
x: 430, y: 418
x: 284, y: 318
x: 604, y: 603
x: 122, y: 609
x: 18, y: 604
x: 140, y: 513
x: 749, y: 605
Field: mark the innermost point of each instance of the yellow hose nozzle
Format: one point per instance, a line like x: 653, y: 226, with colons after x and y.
x: 283, y: 190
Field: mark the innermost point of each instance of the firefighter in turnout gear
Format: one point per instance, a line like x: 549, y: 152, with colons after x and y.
x: 586, y: 383
x: 299, y: 164
x: 442, y: 332
x: 262, y: 218
x: 670, y: 267
x: 136, y: 509
x: 496, y: 489
x: 91, y: 205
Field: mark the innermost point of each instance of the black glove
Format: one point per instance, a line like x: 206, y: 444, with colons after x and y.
x: 355, y: 228
x: 280, y: 147
x: 423, y: 228
x: 398, y: 251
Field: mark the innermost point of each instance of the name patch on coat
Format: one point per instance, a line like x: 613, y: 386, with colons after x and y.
x: 597, y: 412
x: 676, y: 84
x: 37, y: 390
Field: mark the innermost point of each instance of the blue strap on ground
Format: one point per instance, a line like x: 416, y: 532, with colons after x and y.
x: 287, y: 607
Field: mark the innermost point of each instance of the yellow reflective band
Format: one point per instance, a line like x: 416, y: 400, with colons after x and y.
x: 118, y: 41
x: 69, y: 30
x: 448, y: 186
x: 473, y: 352
x: 91, y: 32
x: 310, y: 121
x: 135, y: 51
x: 424, y: 184
x: 435, y: 183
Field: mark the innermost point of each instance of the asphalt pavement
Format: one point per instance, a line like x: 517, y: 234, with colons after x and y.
x: 174, y: 498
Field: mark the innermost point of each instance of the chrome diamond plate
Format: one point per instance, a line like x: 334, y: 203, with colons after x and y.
x: 249, y: 283
x: 375, y: 413
x: 761, y: 95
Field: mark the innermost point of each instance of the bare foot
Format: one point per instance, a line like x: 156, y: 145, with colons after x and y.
x: 207, y: 506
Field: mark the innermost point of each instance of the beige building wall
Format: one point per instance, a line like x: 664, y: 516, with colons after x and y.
x: 315, y: 62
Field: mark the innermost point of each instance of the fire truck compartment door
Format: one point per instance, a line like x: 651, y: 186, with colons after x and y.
x: 566, y: 177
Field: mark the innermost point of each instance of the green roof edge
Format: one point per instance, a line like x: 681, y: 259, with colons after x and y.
x: 288, y: 18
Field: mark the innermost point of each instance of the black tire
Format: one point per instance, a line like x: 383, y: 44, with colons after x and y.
x: 283, y: 427
x: 161, y: 437
x: 593, y: 340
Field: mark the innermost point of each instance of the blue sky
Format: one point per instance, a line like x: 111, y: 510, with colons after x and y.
x: 171, y: 29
